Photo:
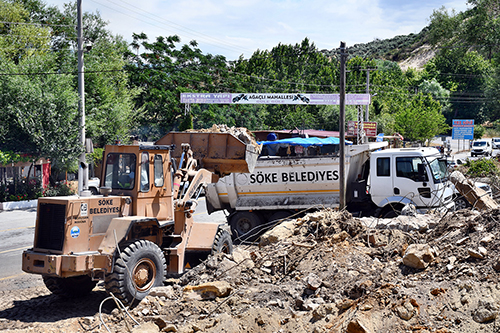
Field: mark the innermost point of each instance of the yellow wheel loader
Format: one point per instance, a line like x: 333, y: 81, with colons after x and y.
x: 140, y: 228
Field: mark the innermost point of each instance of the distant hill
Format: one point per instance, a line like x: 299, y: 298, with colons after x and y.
x: 408, y: 50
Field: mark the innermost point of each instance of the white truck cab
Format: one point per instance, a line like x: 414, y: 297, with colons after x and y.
x: 403, y: 176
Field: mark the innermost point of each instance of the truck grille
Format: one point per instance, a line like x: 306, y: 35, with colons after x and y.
x: 50, y: 233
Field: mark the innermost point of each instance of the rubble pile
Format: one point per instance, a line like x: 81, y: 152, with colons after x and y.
x: 334, y: 274
x: 241, y: 133
x: 330, y: 272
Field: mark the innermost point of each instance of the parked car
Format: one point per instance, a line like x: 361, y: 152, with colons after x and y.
x: 481, y: 147
x: 495, y: 142
x: 94, y: 184
x: 453, y: 164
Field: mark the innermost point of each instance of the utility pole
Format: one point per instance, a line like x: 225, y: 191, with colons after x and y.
x: 343, y: 59
x: 367, y: 114
x: 83, y: 170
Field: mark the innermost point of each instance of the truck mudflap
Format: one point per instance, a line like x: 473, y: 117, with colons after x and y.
x: 65, y: 265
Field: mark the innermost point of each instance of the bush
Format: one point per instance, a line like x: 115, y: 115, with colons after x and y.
x: 21, y: 189
x: 60, y: 189
x: 481, y: 168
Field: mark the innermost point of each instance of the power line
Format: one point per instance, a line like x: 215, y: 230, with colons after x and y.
x: 162, y: 22
x: 46, y: 24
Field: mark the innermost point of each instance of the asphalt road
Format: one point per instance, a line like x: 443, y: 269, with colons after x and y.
x: 17, y: 230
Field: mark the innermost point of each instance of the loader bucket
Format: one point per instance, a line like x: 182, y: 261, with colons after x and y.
x: 221, y: 153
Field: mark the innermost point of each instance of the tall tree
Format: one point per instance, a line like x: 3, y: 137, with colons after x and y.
x: 164, y: 70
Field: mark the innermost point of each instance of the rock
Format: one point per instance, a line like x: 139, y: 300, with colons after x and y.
x: 158, y: 320
x: 359, y: 325
x: 170, y: 328
x: 209, y: 290
x: 418, y: 256
x: 281, y: 231
x: 323, y: 310
x: 487, y: 239
x: 345, y: 304
x: 406, y: 310
x: 148, y: 327
x: 377, y: 240
x: 243, y: 258
x: 475, y: 254
x: 487, y: 310
x: 477, y: 197
x: 496, y: 265
x: 462, y: 240
x: 313, y: 281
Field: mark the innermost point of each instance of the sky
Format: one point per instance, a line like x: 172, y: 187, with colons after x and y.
x: 235, y: 28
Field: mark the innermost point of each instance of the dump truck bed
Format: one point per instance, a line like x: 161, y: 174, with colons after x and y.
x: 221, y: 153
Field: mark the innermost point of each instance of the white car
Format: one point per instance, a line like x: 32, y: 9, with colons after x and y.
x: 94, y: 184
x: 481, y: 147
x: 495, y: 142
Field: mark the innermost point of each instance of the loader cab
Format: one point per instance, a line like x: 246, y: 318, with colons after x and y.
x: 144, y: 174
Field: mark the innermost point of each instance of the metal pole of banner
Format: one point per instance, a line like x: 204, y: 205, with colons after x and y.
x: 83, y: 170
x: 343, y: 58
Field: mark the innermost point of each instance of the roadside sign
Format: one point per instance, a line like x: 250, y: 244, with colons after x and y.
x: 273, y: 98
x: 370, y: 128
x: 463, y: 129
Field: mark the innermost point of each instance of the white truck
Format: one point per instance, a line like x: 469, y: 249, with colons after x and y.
x: 378, y: 183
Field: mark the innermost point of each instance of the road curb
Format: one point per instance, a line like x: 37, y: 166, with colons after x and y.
x: 13, y: 205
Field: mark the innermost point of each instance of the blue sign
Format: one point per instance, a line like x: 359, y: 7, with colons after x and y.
x: 463, y: 129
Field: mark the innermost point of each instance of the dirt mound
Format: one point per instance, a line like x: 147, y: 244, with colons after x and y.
x: 333, y: 274
x: 241, y: 133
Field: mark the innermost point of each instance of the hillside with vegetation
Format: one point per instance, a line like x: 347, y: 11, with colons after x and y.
x: 398, y: 48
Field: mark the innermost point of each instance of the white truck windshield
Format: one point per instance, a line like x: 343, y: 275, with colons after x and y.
x: 438, y: 169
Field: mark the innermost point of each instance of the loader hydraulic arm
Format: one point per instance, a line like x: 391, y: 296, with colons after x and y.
x: 187, y: 173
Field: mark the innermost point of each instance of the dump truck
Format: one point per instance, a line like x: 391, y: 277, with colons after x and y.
x: 140, y: 229
x: 379, y: 182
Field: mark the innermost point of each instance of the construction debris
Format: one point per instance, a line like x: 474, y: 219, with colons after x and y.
x: 329, y: 272
x: 477, y: 197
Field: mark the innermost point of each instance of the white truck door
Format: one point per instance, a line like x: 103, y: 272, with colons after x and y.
x: 381, y: 180
x: 408, y: 184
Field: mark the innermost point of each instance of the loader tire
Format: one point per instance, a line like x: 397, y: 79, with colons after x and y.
x: 140, y: 267
x: 71, y: 287
x: 222, y: 242
x: 245, y: 226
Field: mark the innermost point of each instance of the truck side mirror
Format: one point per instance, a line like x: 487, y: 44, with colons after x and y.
x: 422, y: 175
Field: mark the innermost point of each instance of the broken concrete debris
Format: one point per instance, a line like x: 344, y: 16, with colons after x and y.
x: 331, y: 272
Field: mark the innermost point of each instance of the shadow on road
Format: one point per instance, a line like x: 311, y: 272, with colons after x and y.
x: 52, y: 308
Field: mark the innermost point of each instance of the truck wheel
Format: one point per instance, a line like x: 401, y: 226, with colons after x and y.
x: 279, y: 215
x: 141, y: 267
x: 392, y: 211
x: 76, y: 286
x: 461, y: 203
x: 93, y: 190
x: 222, y: 242
x: 244, y: 226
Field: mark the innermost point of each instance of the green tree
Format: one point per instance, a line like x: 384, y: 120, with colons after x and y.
x: 39, y: 112
x: 420, y: 119
x: 162, y: 72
